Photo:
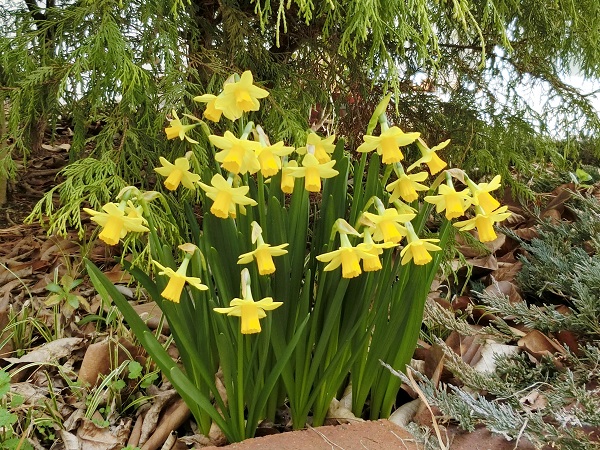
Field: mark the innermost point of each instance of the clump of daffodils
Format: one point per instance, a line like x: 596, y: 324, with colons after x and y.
x: 385, y: 224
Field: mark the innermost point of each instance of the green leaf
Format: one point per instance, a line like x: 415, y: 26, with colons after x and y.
x: 4, y: 383
x: 16, y: 400
x: 118, y: 385
x: 148, y: 380
x: 56, y: 288
x: 73, y: 300
x: 135, y: 370
x: 6, y: 418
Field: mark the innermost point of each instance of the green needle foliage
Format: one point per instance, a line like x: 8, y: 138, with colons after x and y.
x: 459, y: 69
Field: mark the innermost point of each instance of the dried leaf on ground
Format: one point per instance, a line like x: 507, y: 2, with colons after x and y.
x: 49, y: 352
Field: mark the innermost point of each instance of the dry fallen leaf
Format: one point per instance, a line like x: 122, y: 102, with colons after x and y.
x: 94, y: 437
x: 49, y: 352
x: 538, y: 344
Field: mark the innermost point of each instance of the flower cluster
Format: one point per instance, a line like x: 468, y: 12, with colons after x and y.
x: 382, y: 226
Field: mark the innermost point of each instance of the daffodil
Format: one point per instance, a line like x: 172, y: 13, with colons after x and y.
x: 484, y: 222
x: 388, y: 144
x: 406, y: 186
x: 177, y: 173
x: 455, y: 203
x: 211, y: 112
x: 247, y: 309
x: 269, y: 158
x: 322, y: 148
x: 287, y: 179
x: 372, y: 250
x: 347, y: 256
x: 177, y: 279
x: 430, y: 157
x: 237, y: 155
x: 387, y: 224
x: 313, y: 171
x: 481, y: 193
x: 177, y: 130
x: 264, y: 252
x: 225, y: 197
x: 417, y: 249
x: 116, y: 221
x: 239, y: 97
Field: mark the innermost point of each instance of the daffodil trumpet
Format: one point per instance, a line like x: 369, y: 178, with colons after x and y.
x: 177, y: 279
x: 249, y: 311
x: 263, y: 254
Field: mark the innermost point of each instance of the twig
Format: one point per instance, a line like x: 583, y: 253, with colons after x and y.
x: 421, y: 395
x: 325, y: 438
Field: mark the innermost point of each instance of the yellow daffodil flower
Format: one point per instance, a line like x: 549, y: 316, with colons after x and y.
x: 211, y: 113
x: 484, y: 222
x: 269, y: 158
x: 177, y: 279
x: 177, y: 130
x: 287, y: 179
x: 116, y: 222
x: 388, y: 144
x: 264, y: 252
x: 386, y: 225
x: 322, y: 148
x: 406, y: 186
x: 347, y: 256
x: 448, y: 199
x: 481, y: 193
x: 430, y: 157
x: 313, y: 171
x: 417, y: 249
x: 177, y: 173
x: 239, y: 97
x: 370, y: 260
x: 250, y: 311
x: 238, y: 156
x: 225, y: 197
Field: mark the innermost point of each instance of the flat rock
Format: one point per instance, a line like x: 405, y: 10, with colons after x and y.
x: 379, y: 435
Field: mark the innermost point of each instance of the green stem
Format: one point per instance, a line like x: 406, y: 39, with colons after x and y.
x: 240, y: 385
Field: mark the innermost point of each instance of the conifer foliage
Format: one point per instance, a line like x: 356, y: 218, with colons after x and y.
x: 457, y: 69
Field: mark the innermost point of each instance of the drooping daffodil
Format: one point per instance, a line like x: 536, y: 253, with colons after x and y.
x: 239, y: 96
x: 407, y: 185
x: 346, y: 255
x: 177, y: 279
x: 484, y: 222
x: 370, y: 260
x: 211, y: 112
x: 177, y: 130
x: 287, y: 179
x: 481, y: 193
x: 386, y: 225
x: 322, y: 148
x: 237, y: 155
x: 177, y: 173
x: 417, y: 249
x: 247, y: 309
x: 430, y: 157
x: 453, y: 202
x: 117, y: 220
x: 269, y: 158
x: 263, y: 253
x: 388, y: 143
x: 225, y: 197
x: 313, y: 171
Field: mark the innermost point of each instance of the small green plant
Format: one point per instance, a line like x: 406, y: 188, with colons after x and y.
x: 62, y: 292
x: 9, y: 439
